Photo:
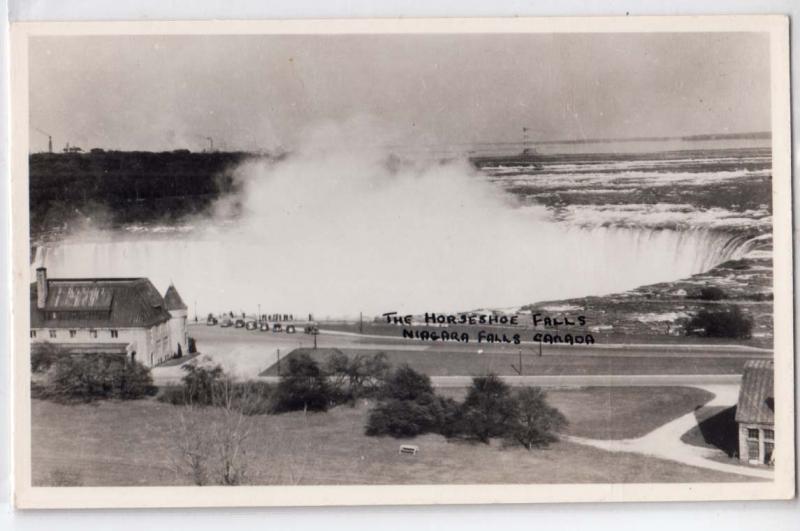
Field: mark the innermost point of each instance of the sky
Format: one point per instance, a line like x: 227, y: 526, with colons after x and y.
x: 260, y: 92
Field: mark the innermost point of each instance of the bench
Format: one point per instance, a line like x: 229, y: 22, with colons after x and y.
x: 410, y: 449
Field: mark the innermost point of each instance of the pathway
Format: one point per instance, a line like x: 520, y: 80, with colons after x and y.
x: 665, y: 442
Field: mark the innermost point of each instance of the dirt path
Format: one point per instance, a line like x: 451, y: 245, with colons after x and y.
x: 665, y: 442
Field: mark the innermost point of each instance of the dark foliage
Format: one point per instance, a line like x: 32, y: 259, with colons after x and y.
x: 727, y: 322
x: 408, y: 418
x: 44, y: 355
x: 210, y: 386
x: 534, y: 421
x: 357, y: 377
x: 406, y: 384
x: 201, y: 384
x: 488, y: 410
x: 303, y: 387
x: 115, y: 187
x: 84, y: 377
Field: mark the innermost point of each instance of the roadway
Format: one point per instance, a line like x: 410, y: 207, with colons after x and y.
x: 245, y: 354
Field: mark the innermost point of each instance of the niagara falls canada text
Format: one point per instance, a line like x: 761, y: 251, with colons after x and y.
x: 412, y: 328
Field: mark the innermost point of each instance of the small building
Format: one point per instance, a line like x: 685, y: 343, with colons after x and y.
x: 755, y: 413
x: 108, y: 316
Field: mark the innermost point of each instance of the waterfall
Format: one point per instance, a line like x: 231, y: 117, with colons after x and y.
x: 224, y: 271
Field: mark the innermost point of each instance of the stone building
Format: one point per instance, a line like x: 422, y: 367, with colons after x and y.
x: 108, y: 316
x: 755, y: 413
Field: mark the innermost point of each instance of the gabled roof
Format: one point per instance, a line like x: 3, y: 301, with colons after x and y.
x: 173, y: 300
x: 756, y: 396
x: 99, y: 303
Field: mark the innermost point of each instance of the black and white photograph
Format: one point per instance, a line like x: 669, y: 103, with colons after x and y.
x: 435, y: 260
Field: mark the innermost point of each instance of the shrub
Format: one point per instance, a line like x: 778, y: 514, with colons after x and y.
x: 210, y: 386
x: 727, y: 322
x: 303, y: 387
x: 488, y: 410
x: 400, y: 418
x: 712, y: 293
x: 534, y: 420
x: 201, y: 384
x: 44, y: 355
x: 92, y: 377
x: 407, y: 384
x: 409, y: 418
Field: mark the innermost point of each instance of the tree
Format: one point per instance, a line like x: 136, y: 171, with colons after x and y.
x: 407, y: 384
x: 488, y: 409
x: 534, y: 421
x: 356, y: 377
x: 727, y: 322
x: 200, y: 384
x: 303, y: 387
x: 211, y: 442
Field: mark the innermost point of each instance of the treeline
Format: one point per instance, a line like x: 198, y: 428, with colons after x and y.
x: 118, y: 187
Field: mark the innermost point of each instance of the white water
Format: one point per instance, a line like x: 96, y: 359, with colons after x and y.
x: 337, y: 232
x: 232, y: 273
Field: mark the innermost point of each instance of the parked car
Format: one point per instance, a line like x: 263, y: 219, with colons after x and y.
x: 311, y: 328
x: 251, y: 325
x: 277, y: 328
x: 211, y: 321
x: 264, y: 326
x: 226, y: 323
x: 239, y: 323
x: 290, y: 329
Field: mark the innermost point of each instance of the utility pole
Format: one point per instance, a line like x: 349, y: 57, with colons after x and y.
x: 360, y: 322
x: 279, y: 362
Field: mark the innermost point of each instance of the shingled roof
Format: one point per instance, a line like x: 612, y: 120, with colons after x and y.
x: 173, y: 300
x: 99, y: 303
x: 756, y: 396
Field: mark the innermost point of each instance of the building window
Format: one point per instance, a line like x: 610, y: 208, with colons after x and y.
x: 769, y: 435
x: 33, y: 334
x: 93, y: 334
x: 752, y: 434
x: 752, y: 450
x: 115, y: 333
x: 52, y: 334
x: 73, y: 333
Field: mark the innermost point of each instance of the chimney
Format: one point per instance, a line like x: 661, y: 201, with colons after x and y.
x: 41, y: 287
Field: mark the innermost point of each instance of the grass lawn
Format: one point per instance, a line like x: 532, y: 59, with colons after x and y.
x: 617, y: 412
x: 132, y: 443
x: 460, y: 363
